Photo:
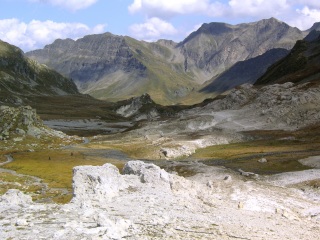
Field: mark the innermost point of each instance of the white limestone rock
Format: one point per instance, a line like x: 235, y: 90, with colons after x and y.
x: 263, y: 160
x: 16, y: 198
x: 148, y: 173
x: 95, y: 185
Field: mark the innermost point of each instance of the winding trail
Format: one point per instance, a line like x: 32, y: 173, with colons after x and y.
x: 9, y: 160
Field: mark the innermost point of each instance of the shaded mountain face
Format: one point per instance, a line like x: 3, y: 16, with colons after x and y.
x: 215, y: 47
x: 300, y: 65
x: 247, y: 71
x: 312, y: 36
x: 315, y: 26
x: 21, y: 77
x: 116, y: 68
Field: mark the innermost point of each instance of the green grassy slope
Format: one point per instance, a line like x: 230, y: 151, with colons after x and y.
x: 301, y: 64
x: 21, y: 77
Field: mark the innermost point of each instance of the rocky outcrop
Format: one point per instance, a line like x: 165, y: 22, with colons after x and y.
x: 96, y: 186
x: 144, y: 108
x: 18, y: 123
x: 148, y: 173
x: 291, y: 106
x: 139, y: 108
x: 149, y: 203
x: 15, y: 198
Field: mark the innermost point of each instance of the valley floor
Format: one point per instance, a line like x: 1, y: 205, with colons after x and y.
x: 241, y: 167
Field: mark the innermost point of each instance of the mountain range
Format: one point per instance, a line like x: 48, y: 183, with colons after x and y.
x: 215, y: 58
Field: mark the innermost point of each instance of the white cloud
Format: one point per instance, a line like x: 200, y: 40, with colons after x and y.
x: 312, y: 13
x: 168, y: 8
x: 152, y: 29
x: 309, y: 3
x: 72, y: 5
x: 258, y: 8
x: 305, y: 18
x: 36, y: 34
x: 162, y: 8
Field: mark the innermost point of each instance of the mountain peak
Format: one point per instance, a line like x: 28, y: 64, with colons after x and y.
x: 215, y: 28
x: 315, y: 26
x: 273, y: 19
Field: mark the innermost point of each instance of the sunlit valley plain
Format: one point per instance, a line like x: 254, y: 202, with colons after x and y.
x: 214, y: 137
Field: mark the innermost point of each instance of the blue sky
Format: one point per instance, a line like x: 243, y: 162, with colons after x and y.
x: 31, y: 24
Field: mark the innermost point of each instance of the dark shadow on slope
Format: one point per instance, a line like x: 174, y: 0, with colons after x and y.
x: 247, y: 71
x: 300, y: 65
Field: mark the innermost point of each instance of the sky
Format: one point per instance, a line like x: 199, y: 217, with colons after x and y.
x: 32, y: 24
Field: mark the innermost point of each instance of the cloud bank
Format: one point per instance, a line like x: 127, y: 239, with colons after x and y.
x: 152, y: 29
x: 36, y: 34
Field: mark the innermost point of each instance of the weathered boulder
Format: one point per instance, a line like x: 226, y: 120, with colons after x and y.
x: 148, y: 173
x: 15, y: 197
x: 95, y: 185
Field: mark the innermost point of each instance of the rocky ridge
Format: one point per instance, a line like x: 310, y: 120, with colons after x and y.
x: 300, y: 65
x: 21, y: 77
x: 214, y: 47
x: 150, y: 203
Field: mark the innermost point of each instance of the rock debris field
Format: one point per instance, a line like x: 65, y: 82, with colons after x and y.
x: 146, y: 202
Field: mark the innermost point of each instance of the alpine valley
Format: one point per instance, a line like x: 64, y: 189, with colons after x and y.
x: 214, y: 137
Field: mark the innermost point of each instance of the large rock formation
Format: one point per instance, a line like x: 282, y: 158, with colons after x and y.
x: 114, y: 67
x: 149, y: 203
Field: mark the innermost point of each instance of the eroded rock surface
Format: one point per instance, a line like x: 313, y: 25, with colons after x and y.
x: 149, y: 203
x: 275, y: 107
